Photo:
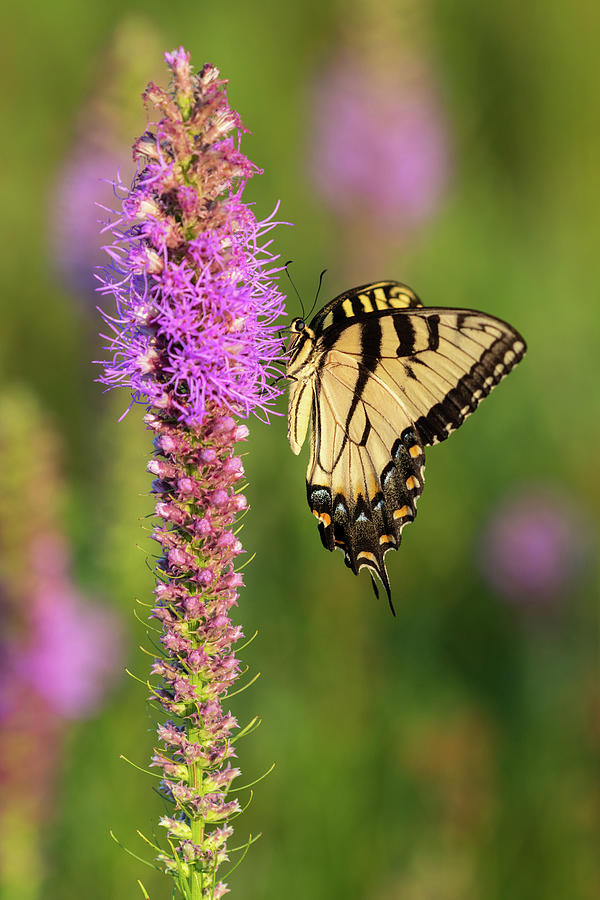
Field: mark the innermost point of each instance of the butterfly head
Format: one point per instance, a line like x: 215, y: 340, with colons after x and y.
x: 299, y: 326
x: 301, y: 345
x: 300, y: 331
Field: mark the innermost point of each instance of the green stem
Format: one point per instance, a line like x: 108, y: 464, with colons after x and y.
x: 197, y: 825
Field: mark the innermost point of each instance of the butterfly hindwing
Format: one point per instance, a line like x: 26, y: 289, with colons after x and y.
x: 366, y: 467
x: 380, y: 377
x: 299, y: 409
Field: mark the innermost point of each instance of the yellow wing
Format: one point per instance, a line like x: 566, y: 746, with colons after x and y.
x: 366, y: 468
x: 299, y: 407
x: 384, y: 388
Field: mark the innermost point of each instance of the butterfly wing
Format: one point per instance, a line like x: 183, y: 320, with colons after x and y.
x: 387, y: 378
x: 299, y: 409
x: 366, y: 468
x: 438, y: 363
x: 365, y: 300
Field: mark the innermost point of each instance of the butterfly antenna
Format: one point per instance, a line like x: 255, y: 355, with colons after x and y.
x: 288, y: 263
x: 318, y: 290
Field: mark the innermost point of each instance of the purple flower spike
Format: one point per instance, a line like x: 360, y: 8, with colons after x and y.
x: 533, y: 548
x: 194, y: 336
x: 381, y: 146
x: 191, y: 273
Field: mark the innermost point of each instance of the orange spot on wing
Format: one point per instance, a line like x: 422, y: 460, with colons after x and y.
x: 325, y: 518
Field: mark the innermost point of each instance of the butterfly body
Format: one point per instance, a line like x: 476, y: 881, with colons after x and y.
x: 377, y: 377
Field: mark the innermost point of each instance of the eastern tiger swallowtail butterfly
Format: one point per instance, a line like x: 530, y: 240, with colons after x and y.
x: 379, y: 377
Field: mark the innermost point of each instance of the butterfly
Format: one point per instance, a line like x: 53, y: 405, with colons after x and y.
x: 378, y: 377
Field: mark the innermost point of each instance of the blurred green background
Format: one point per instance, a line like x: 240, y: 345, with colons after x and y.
x: 450, y: 753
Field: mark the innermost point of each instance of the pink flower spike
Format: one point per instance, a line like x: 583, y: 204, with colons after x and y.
x: 194, y: 336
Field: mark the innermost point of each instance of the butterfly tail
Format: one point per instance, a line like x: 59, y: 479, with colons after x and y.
x: 388, y: 591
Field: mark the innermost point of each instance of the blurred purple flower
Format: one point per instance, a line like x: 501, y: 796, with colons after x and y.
x: 73, y: 647
x: 380, y: 145
x: 53, y: 641
x: 84, y: 181
x: 533, y: 547
x: 57, y: 651
x: 100, y: 147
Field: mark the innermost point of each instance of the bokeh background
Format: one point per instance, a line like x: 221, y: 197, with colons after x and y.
x: 450, y: 753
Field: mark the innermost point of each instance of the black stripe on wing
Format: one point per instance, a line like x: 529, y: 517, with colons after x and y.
x: 407, y: 336
x: 460, y: 401
x: 370, y: 348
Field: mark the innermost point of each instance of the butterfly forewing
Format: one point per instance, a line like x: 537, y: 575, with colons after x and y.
x: 380, y: 377
x: 362, y: 301
x: 439, y: 363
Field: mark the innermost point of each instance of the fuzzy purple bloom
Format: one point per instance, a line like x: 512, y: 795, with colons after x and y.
x: 380, y: 146
x: 533, y: 548
x: 192, y: 275
x: 73, y: 648
x: 194, y: 337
